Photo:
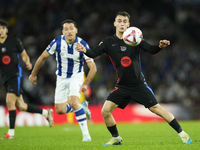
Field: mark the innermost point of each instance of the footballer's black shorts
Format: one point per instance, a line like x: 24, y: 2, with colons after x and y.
x: 14, y: 85
x: 142, y: 94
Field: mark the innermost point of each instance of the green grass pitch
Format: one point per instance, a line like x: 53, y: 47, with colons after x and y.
x: 141, y: 136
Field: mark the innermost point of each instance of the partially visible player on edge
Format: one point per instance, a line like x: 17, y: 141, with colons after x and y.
x: 10, y: 50
x: 131, y: 84
x: 70, y: 73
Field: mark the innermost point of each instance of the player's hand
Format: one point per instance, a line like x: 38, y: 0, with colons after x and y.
x: 83, y: 88
x: 164, y: 43
x: 33, y: 79
x: 29, y: 66
x: 80, y: 48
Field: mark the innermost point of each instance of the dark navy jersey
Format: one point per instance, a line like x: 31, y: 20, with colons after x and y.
x: 125, y: 59
x: 9, y: 58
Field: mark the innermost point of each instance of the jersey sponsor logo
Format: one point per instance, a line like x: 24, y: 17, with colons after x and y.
x: 116, y: 88
x: 6, y: 59
x: 126, y: 61
x: 3, y: 50
x: 123, y: 48
x: 62, y: 54
x: 114, y: 44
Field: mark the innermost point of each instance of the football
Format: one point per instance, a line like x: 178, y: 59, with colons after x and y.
x: 132, y: 36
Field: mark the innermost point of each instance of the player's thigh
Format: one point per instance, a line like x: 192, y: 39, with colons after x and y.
x: 14, y: 85
x: 11, y: 99
x: 119, y: 96
x: 61, y: 90
x: 75, y: 84
x: 144, y: 95
x: 108, y: 107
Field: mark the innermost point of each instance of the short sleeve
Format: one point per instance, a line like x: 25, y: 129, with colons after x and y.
x: 51, y: 48
x: 20, y: 46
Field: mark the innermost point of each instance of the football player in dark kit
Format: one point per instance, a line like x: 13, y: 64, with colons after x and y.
x: 131, y: 84
x: 10, y: 50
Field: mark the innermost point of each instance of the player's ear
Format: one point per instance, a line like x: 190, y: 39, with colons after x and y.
x: 114, y: 24
x: 76, y: 30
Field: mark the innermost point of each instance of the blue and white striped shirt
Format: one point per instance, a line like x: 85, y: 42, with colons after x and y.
x: 69, y: 61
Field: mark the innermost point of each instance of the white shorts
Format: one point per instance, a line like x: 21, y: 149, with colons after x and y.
x: 66, y: 87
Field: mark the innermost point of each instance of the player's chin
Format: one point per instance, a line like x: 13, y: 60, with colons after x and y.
x: 122, y: 31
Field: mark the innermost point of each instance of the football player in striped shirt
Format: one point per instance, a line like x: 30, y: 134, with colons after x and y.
x: 70, y: 74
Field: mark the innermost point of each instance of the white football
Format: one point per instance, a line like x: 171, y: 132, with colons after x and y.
x: 132, y: 36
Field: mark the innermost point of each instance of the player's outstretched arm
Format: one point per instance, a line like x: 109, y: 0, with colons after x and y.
x: 26, y: 59
x: 153, y: 49
x: 92, y: 53
x: 40, y: 61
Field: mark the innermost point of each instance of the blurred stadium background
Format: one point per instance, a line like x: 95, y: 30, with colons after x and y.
x: 173, y: 74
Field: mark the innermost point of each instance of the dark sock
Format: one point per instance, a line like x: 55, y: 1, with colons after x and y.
x: 34, y: 109
x: 113, y: 131
x: 174, y: 124
x: 12, y: 117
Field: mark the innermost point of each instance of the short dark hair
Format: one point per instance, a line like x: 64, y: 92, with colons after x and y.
x: 3, y: 23
x: 123, y: 13
x: 69, y: 21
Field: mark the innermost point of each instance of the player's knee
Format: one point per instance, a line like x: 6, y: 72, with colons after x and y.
x: 75, y: 105
x: 157, y: 109
x: 105, y: 113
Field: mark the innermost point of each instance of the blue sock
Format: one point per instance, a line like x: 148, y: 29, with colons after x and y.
x: 69, y: 108
x: 80, y: 114
x: 81, y: 118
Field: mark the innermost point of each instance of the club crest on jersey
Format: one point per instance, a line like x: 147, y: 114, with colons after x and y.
x: 3, y: 50
x: 123, y: 48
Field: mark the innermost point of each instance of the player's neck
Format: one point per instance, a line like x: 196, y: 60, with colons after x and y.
x: 2, y: 39
x: 119, y: 35
x: 70, y: 41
